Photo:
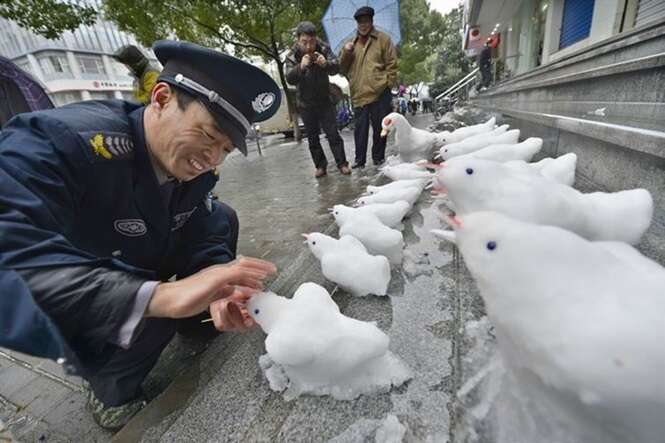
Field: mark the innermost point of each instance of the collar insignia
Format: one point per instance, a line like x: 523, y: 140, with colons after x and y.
x: 179, y: 220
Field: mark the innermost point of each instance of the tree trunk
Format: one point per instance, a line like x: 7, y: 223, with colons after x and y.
x: 290, y: 100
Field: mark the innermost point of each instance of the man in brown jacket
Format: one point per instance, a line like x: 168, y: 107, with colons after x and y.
x: 369, y: 61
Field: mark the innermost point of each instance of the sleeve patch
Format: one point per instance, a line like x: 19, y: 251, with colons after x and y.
x: 102, y: 146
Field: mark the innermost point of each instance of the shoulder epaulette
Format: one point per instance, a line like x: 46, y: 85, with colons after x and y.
x: 102, y: 146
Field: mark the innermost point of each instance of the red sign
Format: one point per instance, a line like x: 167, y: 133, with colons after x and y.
x: 473, y: 39
x: 494, y: 40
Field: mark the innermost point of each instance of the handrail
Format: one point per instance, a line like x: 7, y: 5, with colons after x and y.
x: 471, y: 80
x: 450, y: 90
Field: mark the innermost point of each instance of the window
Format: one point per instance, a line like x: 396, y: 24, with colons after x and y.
x: 576, y: 22
x: 91, y: 65
x: 54, y: 64
x: 649, y: 10
x: 120, y: 69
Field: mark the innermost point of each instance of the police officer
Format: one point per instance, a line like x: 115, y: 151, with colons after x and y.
x: 103, y: 202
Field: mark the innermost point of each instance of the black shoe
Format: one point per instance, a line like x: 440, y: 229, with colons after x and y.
x: 114, y: 418
x: 358, y: 166
x: 379, y: 163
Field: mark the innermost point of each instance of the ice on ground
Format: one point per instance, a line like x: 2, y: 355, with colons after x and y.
x: 391, y: 431
x: 505, y: 405
x: 376, y: 376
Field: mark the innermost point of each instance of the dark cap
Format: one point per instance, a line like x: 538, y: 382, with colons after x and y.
x: 236, y: 93
x: 305, y: 28
x: 364, y: 11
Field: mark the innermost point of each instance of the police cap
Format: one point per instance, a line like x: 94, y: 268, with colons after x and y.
x: 236, y: 93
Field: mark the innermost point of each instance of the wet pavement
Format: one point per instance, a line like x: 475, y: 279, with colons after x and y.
x: 224, y: 396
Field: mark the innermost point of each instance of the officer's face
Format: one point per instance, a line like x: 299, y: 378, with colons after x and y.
x: 187, y: 143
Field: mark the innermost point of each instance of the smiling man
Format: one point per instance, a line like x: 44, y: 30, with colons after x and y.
x: 104, y: 202
x: 369, y: 62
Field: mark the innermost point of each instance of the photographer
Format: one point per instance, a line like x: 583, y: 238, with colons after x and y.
x: 309, y: 65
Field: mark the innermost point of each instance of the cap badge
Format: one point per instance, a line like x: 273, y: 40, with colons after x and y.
x: 263, y: 101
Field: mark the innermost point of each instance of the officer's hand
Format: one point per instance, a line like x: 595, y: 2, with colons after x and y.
x: 192, y: 295
x: 320, y: 60
x: 349, y: 46
x: 305, y: 61
x: 230, y: 314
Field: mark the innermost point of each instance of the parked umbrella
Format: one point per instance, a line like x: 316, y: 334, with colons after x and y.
x: 19, y: 92
x: 340, y: 26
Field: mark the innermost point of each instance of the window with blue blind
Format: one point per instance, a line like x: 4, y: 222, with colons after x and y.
x: 576, y: 22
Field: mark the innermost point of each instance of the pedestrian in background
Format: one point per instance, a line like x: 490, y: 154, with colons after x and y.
x: 308, y: 67
x: 402, y: 105
x: 369, y: 61
x: 485, y: 64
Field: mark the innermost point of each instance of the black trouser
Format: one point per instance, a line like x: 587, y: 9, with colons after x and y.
x: 486, y: 75
x: 372, y: 114
x: 323, y: 117
x: 119, y: 380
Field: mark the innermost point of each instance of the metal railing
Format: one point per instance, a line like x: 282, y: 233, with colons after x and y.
x: 465, y: 81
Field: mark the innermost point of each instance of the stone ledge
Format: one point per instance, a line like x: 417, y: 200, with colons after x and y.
x: 639, y: 140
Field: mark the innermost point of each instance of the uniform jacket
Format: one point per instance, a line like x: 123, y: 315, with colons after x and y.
x: 312, y: 82
x: 370, y: 69
x: 83, y: 223
x: 23, y: 325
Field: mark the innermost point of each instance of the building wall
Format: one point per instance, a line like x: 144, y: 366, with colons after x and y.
x: 606, y: 15
x: 531, y: 38
x: 78, y: 65
x: 521, y: 39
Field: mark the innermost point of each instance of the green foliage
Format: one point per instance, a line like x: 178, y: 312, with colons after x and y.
x: 249, y: 27
x: 421, y: 33
x: 451, y: 64
x: 431, y: 48
x: 252, y: 27
x: 48, y: 18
